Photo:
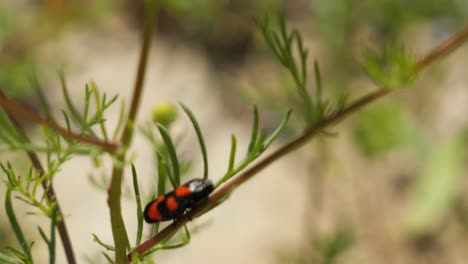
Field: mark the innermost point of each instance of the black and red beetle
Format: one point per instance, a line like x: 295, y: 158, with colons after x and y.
x: 172, y: 205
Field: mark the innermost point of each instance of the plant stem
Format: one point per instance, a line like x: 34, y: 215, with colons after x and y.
x: 219, y: 194
x: 115, y: 188
x: 114, y: 201
x: 61, y: 226
x: 444, y: 49
x: 24, y: 111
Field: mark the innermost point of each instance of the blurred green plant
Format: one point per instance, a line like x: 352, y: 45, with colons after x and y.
x: 396, y: 128
x: 15, y: 60
x: 284, y: 45
x: 436, y: 190
x: 395, y: 68
x: 330, y: 248
x: 324, y: 249
x: 340, y: 22
x: 20, y: 36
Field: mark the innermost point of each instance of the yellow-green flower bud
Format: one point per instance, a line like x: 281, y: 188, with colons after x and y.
x: 165, y: 114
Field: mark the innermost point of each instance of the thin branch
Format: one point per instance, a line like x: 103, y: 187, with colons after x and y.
x: 51, y: 196
x: 24, y: 111
x: 119, y: 231
x: 220, y: 193
x: 443, y: 49
x: 140, y: 78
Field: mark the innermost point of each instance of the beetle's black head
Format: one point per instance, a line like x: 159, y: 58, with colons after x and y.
x: 200, y: 189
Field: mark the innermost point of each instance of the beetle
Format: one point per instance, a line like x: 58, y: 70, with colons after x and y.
x: 172, y: 205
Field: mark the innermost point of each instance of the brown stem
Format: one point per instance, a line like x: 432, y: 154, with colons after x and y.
x: 444, y: 49
x: 61, y: 226
x: 24, y: 111
x: 220, y: 193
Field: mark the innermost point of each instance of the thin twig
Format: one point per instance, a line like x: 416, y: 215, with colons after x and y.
x: 220, y: 193
x: 26, y: 112
x: 443, y: 49
x: 51, y: 196
x: 119, y: 231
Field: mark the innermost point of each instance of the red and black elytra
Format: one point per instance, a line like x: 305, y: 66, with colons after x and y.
x: 172, y: 205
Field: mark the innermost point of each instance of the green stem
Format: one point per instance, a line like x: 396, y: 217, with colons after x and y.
x: 118, y: 226
x: 119, y: 231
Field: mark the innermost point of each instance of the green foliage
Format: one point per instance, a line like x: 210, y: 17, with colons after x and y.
x: 201, y: 141
x: 9, y: 260
x: 330, y: 248
x: 86, y: 121
x: 28, y: 188
x: 19, y: 37
x: 198, y: 8
x: 50, y: 241
x: 394, y: 68
x: 437, y: 187
x: 139, y: 211
x: 259, y: 142
x: 284, y: 45
x: 383, y: 127
x: 344, y: 25
x: 58, y: 149
x: 162, y: 175
x: 174, y: 173
x: 16, y: 61
x: 324, y: 249
x: 24, y: 256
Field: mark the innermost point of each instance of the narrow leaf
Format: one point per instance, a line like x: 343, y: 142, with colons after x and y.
x: 24, y: 258
x: 53, y: 240
x: 187, y: 237
x: 88, y: 93
x: 277, y: 130
x: 108, y: 258
x: 45, y: 106
x: 73, y: 110
x: 259, y: 146
x: 253, y: 137
x: 167, y: 172
x: 200, y: 138
x: 15, y: 225
x: 136, y: 191
x: 172, y: 152
x: 67, y: 120
x: 318, y: 81
x: 232, y: 156
x: 43, y: 235
x: 120, y: 122
x: 4, y: 258
x: 104, y: 245
x: 161, y: 175
x: 161, y: 184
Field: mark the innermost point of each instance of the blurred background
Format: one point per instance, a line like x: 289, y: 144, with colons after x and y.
x: 387, y: 188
